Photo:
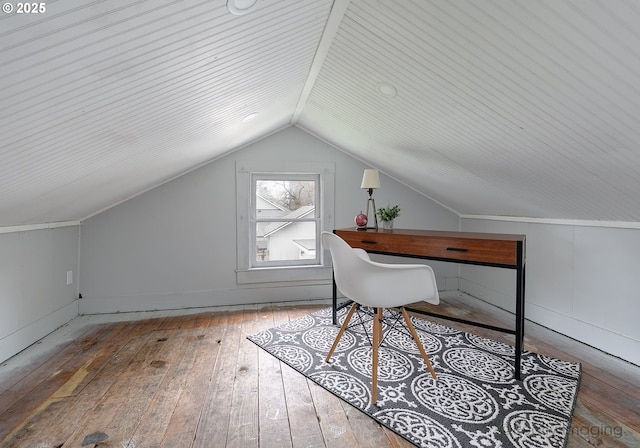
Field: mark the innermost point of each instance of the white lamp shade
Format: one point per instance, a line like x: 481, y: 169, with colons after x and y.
x: 370, y: 179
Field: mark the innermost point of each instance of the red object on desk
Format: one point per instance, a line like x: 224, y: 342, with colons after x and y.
x: 361, y: 220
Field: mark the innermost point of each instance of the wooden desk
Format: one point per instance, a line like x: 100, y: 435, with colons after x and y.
x: 485, y: 249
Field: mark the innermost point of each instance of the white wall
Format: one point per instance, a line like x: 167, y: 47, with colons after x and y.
x: 34, y: 296
x: 175, y: 246
x: 581, y: 281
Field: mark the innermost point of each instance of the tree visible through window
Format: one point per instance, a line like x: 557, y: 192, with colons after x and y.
x: 285, y: 219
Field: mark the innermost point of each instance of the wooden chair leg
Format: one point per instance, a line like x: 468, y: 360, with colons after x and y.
x: 342, y: 329
x: 377, y: 337
x: 418, y: 343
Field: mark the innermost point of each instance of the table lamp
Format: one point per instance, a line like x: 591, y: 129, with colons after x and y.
x: 371, y: 180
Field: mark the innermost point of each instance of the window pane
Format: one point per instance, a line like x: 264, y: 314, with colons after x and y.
x: 285, y: 222
x: 277, y: 198
x: 286, y: 241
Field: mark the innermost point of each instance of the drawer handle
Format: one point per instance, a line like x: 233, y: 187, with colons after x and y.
x: 368, y: 242
x: 457, y: 249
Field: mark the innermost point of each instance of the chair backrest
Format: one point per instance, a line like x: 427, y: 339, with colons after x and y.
x: 378, y: 284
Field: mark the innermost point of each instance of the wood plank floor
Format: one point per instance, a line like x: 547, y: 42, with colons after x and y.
x: 193, y: 380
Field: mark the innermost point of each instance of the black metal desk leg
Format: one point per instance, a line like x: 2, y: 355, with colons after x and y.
x: 335, y: 301
x: 519, y: 345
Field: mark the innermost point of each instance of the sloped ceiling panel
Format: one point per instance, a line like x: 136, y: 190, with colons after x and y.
x: 103, y: 99
x: 522, y: 108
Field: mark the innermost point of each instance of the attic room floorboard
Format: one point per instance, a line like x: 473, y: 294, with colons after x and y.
x: 187, y: 379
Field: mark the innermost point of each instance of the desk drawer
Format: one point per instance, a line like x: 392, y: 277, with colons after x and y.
x: 500, y: 252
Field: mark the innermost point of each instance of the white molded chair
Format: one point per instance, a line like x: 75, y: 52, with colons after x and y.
x: 379, y: 285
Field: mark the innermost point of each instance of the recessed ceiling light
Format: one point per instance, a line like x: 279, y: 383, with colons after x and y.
x: 386, y: 89
x: 250, y: 117
x: 239, y: 7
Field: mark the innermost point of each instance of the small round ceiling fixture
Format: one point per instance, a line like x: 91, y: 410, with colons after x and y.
x: 240, y: 7
x: 386, y: 89
x: 250, y: 117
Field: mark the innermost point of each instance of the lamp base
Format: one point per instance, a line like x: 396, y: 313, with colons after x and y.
x: 375, y: 215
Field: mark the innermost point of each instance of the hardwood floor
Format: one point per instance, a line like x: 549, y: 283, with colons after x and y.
x: 193, y: 380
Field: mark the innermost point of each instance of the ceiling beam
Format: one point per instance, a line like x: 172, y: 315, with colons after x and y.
x: 330, y: 30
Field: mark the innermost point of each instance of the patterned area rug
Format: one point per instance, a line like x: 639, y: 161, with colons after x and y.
x: 475, y: 400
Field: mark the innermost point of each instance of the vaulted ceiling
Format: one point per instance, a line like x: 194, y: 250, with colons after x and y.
x: 494, y: 107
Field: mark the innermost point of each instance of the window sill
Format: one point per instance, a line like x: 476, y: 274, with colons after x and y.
x: 286, y: 274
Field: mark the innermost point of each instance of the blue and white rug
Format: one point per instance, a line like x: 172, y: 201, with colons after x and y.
x: 474, y: 402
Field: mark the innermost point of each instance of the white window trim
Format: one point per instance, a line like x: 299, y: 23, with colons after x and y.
x: 304, y: 274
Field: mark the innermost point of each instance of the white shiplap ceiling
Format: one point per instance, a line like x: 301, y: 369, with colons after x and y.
x: 517, y: 108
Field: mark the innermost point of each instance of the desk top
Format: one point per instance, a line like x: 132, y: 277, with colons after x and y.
x: 440, y: 233
x: 491, y: 249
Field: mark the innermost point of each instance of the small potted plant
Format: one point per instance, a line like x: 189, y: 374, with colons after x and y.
x: 387, y: 215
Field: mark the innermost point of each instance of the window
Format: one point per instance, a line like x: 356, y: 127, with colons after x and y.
x: 282, y: 208
x: 285, y: 219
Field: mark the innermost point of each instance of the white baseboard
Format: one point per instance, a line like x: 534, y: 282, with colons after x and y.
x: 501, y: 300
x: 203, y: 299
x: 16, y: 342
x: 448, y: 283
x: 615, y: 344
x: 600, y: 338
